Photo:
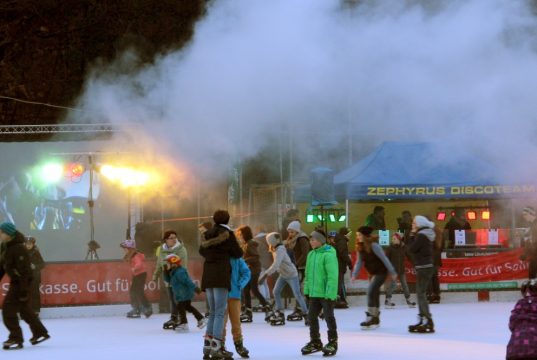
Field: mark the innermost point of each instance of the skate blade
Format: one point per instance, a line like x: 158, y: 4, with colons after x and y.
x: 328, y: 354
x: 310, y: 352
x: 13, y: 347
x: 277, y: 324
x: 371, y: 327
x: 40, y: 340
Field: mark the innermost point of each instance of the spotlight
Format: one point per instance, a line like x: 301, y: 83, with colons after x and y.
x: 51, y: 173
x: 485, y: 215
x: 471, y: 215
x: 441, y: 216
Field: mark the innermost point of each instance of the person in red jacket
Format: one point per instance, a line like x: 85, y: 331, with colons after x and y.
x: 139, y: 274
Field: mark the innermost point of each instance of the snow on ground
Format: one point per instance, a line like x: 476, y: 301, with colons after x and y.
x: 463, y: 331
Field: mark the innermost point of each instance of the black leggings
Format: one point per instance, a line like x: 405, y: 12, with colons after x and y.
x: 138, y: 299
x: 183, y: 307
x: 253, y: 287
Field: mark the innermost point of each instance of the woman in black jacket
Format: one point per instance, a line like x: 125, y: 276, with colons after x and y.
x: 344, y: 261
x: 217, y: 247
x: 421, y: 247
x: 37, y: 264
x: 15, y: 262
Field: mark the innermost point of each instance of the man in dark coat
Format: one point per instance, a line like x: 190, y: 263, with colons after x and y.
x: 15, y: 262
x: 376, y: 219
x: 530, y: 245
x: 457, y: 222
x: 344, y: 261
x: 217, y: 247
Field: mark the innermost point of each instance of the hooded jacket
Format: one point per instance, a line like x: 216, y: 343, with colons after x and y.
x: 322, y: 273
x: 342, y: 250
x: 523, y: 342
x: 281, y: 264
x: 16, y: 264
x: 240, y: 277
x: 218, y: 247
x: 178, y: 249
x: 251, y: 256
x: 182, y: 285
x: 421, y: 247
x: 300, y: 246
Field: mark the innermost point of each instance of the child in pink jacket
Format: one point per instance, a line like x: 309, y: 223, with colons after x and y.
x: 137, y: 262
x: 523, y: 325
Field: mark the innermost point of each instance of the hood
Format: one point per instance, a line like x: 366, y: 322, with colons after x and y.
x: 428, y: 232
x: 325, y: 249
x: 217, y: 240
x: 178, y: 244
x: 291, y: 243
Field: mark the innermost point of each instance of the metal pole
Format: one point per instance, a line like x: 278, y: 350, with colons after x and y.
x: 349, y: 130
x: 90, y: 200
x: 291, y: 170
x: 198, y: 188
x: 347, y: 213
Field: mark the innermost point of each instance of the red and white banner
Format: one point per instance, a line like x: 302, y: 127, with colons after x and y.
x: 94, y: 283
x: 497, y: 267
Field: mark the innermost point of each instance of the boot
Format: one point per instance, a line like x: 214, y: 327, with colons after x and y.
x: 330, y: 349
x: 148, y: 311
x: 218, y: 350
x: 413, y: 328
x: 388, y: 304
x: 170, y: 324
x: 426, y: 327
x: 241, y: 350
x: 134, y: 314
x: 371, y: 321
x: 207, y: 348
x: 11, y: 344
x: 410, y: 304
x: 313, y: 346
x: 246, y: 316
x: 202, y: 323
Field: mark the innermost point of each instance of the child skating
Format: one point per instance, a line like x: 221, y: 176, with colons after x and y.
x: 136, y: 259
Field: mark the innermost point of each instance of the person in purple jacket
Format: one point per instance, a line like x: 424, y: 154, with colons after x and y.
x: 523, y: 325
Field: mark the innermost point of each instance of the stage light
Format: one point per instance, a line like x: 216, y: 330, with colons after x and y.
x: 441, y: 216
x: 310, y: 218
x: 320, y: 217
x: 485, y: 215
x: 342, y: 218
x: 332, y: 217
x: 471, y: 215
x: 75, y: 169
x: 125, y: 176
x: 51, y: 173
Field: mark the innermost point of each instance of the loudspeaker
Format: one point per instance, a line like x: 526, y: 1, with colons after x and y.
x: 322, y: 186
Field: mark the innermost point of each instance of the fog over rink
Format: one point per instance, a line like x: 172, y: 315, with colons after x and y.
x: 464, y: 331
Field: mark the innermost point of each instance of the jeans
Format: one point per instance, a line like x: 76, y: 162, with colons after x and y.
x: 423, y: 276
x: 234, y: 314
x: 217, y: 298
x: 183, y: 307
x: 434, y: 286
x: 253, y: 287
x: 393, y: 283
x: 138, y: 300
x: 327, y: 306
x: 295, y: 287
x: 373, y: 291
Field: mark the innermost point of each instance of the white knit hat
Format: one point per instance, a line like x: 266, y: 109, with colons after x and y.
x: 295, y: 226
x: 423, y: 222
x: 273, y: 239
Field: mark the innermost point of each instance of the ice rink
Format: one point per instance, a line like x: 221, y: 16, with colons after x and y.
x: 463, y: 331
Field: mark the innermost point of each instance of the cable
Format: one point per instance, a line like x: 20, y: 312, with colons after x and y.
x: 40, y: 103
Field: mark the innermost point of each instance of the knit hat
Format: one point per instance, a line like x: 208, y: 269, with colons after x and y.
x: 8, y: 229
x: 529, y: 210
x: 423, y: 222
x: 529, y: 287
x: 295, y: 226
x: 365, y: 230
x: 318, y: 236
x: 173, y: 259
x: 128, y: 244
x: 274, y: 239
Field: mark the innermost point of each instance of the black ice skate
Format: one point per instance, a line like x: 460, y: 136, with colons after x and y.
x: 241, y: 350
x: 312, y: 347
x: 388, y: 304
x: 39, y: 339
x: 134, y: 314
x: 277, y: 318
x: 170, y: 324
x: 330, y: 349
x: 218, y: 351
x: 425, y: 326
x: 258, y: 308
x: 371, y: 322
x: 12, y: 345
x: 410, y: 304
x: 246, y: 316
x: 295, y: 316
x: 148, y: 312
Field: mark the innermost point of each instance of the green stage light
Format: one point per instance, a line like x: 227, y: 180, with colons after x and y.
x: 332, y: 217
x: 51, y: 173
x: 320, y: 217
x: 310, y: 218
x: 342, y: 218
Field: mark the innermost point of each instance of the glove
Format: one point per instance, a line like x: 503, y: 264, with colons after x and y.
x: 23, y: 296
x: 198, y: 290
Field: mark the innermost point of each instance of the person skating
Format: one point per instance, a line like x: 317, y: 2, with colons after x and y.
x: 344, y: 261
x: 15, y: 262
x: 298, y: 243
x: 218, y: 246
x: 37, y: 264
x: 421, y: 247
x: 288, y: 274
x: 170, y: 245
x: 251, y: 257
x: 523, y: 342
x: 138, y: 299
x: 372, y: 256
x: 321, y: 286
x: 396, y: 254
x: 183, y: 289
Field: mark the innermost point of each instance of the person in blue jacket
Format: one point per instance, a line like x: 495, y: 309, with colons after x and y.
x: 183, y: 289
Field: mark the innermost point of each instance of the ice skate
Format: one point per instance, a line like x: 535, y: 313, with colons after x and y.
x: 312, y: 347
x: 277, y: 318
x: 12, y: 345
x: 410, y: 304
x: 330, y: 349
x: 241, y: 350
x: 134, y: 314
x: 183, y: 327
x: 39, y: 339
x: 218, y: 350
x: 246, y: 316
x: 295, y: 316
x: 202, y: 323
x: 170, y: 324
x: 426, y: 326
x: 206, y: 348
x: 388, y: 304
x: 371, y: 322
x: 148, y: 312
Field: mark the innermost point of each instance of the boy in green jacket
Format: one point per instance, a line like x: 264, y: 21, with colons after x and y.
x: 321, y: 285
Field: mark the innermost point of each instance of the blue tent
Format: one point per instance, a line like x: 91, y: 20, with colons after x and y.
x: 418, y: 171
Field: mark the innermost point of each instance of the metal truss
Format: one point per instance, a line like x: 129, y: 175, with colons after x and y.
x: 58, y: 129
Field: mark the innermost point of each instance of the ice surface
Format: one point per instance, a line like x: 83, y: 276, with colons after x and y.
x: 464, y: 331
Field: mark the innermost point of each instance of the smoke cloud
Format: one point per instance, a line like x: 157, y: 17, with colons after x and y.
x: 316, y: 72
